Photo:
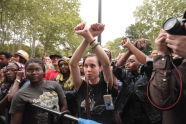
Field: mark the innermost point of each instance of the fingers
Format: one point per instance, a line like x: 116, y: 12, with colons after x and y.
x: 80, y: 26
x: 173, y: 47
x: 125, y: 41
x: 97, y: 27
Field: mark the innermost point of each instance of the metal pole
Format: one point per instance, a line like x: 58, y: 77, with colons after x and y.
x: 99, y: 17
x: 62, y: 114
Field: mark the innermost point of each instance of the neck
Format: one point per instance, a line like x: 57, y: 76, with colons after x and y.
x: 66, y: 75
x: 36, y: 84
x: 94, y: 81
x: 55, y: 67
x: 135, y: 73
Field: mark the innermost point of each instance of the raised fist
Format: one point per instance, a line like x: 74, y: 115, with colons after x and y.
x: 96, y: 29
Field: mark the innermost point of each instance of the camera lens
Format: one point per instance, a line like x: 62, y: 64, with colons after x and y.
x: 170, y: 24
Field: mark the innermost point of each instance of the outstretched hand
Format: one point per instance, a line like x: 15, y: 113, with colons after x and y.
x: 96, y: 29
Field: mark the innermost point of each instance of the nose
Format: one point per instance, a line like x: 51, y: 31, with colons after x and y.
x: 89, y: 68
x: 127, y: 64
x: 7, y: 72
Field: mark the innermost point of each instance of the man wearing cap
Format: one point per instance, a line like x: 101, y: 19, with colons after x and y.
x: 53, y: 72
x: 21, y: 56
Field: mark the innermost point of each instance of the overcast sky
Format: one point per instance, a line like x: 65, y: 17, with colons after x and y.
x: 116, y: 15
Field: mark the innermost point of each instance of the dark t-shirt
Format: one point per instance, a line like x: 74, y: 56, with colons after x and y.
x: 95, y: 94
x: 46, y: 95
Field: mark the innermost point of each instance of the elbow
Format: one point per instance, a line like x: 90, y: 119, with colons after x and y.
x: 10, y: 96
x: 106, y: 64
x: 72, y: 64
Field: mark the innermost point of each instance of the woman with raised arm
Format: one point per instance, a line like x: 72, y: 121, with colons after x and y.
x: 90, y: 91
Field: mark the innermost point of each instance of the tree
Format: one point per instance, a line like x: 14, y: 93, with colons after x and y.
x: 114, y: 47
x: 151, y: 15
x: 45, y: 23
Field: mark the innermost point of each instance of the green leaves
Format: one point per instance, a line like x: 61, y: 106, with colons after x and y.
x: 149, y: 19
x: 45, y: 23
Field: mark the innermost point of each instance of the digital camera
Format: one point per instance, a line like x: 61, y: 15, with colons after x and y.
x: 175, y: 26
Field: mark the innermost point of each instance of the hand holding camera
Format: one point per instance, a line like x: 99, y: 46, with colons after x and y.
x: 161, y: 44
x: 176, y: 38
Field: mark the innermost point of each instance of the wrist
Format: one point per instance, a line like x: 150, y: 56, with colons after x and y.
x: 128, y: 45
x: 94, y: 44
x: 89, y: 37
x: 91, y: 42
x: 18, y: 80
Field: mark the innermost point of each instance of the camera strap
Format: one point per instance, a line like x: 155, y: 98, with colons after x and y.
x: 180, y: 93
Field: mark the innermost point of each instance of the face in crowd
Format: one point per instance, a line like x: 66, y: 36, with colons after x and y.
x: 132, y: 64
x: 47, y: 60
x: 55, y: 61
x: 81, y: 67
x: 11, y: 71
x: 63, y: 67
x: 35, y: 71
x: 154, y: 53
x: 92, y: 67
x: 4, y: 59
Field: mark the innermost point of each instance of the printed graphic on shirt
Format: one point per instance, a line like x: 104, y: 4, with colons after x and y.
x: 48, y: 100
x: 91, y: 103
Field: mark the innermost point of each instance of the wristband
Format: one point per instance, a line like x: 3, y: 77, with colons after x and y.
x: 17, y: 80
x: 92, y: 41
x: 95, y: 45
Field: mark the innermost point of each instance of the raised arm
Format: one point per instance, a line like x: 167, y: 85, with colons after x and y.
x: 140, y: 44
x: 95, y: 30
x: 122, y: 60
x: 82, y: 30
x: 16, y: 84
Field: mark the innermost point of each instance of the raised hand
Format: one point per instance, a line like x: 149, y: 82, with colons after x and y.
x: 19, y: 75
x: 140, y: 43
x: 96, y: 29
x: 82, y: 30
x: 125, y: 42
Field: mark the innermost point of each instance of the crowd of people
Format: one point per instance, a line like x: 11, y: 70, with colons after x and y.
x: 132, y: 89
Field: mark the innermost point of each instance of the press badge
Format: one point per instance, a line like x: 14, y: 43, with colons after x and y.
x: 108, y: 102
